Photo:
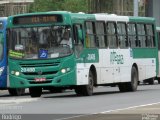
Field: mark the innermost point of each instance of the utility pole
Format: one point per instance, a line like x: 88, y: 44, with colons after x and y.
x: 135, y: 13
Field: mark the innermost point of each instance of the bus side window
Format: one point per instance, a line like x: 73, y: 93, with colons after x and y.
x: 150, y: 36
x: 111, y: 35
x: 101, y: 34
x: 141, y: 35
x: 132, y: 34
x: 122, y: 35
x: 90, y: 35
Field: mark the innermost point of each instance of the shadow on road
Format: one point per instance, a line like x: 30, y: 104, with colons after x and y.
x: 72, y: 94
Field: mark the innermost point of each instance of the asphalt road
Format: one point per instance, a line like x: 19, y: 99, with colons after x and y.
x: 107, y: 103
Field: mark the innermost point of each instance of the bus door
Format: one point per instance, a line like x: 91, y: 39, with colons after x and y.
x: 78, y: 39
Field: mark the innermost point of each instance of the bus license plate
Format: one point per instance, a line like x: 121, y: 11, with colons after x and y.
x: 40, y: 79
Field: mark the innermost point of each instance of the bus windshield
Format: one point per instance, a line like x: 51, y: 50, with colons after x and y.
x: 39, y: 42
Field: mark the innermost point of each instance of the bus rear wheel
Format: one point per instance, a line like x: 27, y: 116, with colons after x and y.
x: 130, y: 86
x: 16, y: 91
x: 35, y: 91
x: 86, y: 90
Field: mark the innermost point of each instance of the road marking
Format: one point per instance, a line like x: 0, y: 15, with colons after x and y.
x: 116, y: 110
x: 76, y: 116
x: 104, y: 112
x: 17, y: 101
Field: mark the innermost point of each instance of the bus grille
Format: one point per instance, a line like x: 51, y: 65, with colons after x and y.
x: 34, y: 82
x: 41, y: 73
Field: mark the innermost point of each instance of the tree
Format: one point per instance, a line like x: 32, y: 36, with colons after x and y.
x: 75, y: 5
x: 59, y: 5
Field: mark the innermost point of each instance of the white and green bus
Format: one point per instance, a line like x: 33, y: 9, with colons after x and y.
x: 104, y: 50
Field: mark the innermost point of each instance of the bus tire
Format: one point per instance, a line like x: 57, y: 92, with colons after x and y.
x: 35, y: 91
x: 16, y: 91
x: 86, y: 90
x: 132, y: 86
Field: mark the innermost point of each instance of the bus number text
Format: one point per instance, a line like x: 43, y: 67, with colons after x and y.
x: 116, y: 58
x: 27, y: 69
x: 91, y: 57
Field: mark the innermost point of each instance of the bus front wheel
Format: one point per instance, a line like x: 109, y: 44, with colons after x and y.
x: 16, y: 91
x: 35, y: 91
x: 86, y: 90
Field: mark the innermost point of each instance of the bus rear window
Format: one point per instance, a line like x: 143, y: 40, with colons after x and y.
x: 37, y: 19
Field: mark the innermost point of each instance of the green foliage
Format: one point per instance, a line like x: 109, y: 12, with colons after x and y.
x: 54, y: 5
x: 75, y: 5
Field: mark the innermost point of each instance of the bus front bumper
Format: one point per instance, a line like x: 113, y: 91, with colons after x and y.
x: 67, y: 79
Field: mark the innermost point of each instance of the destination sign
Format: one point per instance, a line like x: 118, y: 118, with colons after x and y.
x: 37, y: 19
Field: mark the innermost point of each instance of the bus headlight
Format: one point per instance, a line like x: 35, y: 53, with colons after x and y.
x: 12, y: 72
x: 17, y: 73
x: 64, y: 70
